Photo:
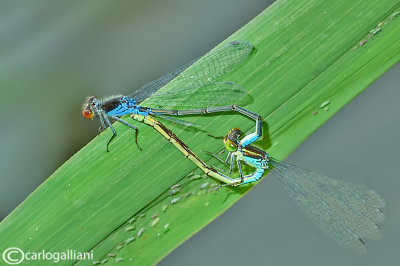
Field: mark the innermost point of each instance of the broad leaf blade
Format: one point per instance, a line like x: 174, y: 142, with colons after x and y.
x: 308, y: 52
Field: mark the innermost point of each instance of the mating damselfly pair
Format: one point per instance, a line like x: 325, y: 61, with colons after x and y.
x: 348, y: 212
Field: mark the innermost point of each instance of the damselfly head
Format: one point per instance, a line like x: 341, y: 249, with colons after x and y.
x: 231, y: 140
x: 88, y: 108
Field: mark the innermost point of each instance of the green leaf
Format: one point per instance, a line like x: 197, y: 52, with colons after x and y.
x: 307, y: 53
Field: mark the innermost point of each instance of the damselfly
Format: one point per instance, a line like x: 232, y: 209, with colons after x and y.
x: 348, y: 212
x: 182, y: 147
x: 195, y: 86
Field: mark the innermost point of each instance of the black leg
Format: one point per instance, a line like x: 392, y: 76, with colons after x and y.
x: 231, y: 164
x: 240, y: 170
x: 227, y: 157
x: 130, y: 126
x: 113, y: 131
x: 136, y: 138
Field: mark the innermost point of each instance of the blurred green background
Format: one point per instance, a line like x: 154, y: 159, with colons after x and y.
x: 54, y: 54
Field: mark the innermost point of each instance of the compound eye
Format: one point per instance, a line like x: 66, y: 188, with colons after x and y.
x: 88, y: 113
x: 230, y: 145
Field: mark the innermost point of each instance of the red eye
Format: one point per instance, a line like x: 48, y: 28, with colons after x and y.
x: 87, y: 113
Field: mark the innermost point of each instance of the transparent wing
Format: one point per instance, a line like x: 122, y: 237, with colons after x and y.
x: 347, y: 212
x: 217, y: 93
x: 177, y: 121
x: 150, y: 88
x: 203, y: 71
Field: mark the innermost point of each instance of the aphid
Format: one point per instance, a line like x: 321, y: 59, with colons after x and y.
x: 130, y: 228
x: 324, y: 104
x: 155, y: 221
x: 175, y: 200
x: 376, y: 31
x: 203, y: 186
x: 129, y: 240
x: 363, y: 42
x: 130, y: 221
x: 140, y: 233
